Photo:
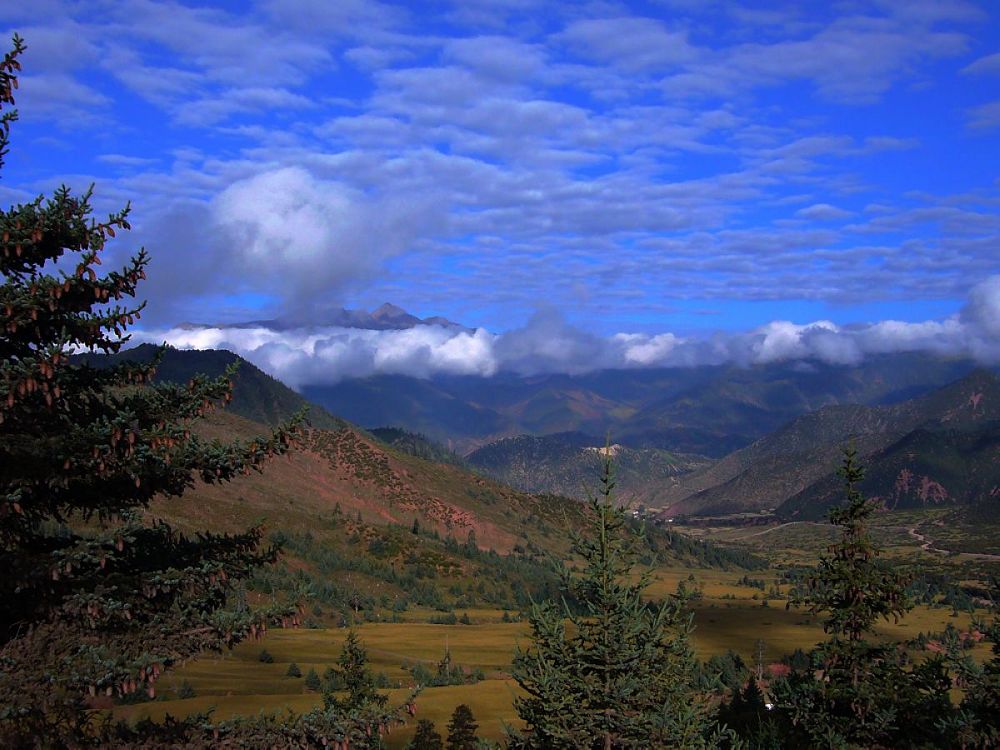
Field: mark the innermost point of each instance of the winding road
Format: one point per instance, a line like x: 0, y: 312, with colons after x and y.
x: 928, y: 546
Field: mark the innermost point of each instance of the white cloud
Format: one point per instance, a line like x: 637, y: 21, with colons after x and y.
x: 823, y: 212
x: 985, y: 116
x: 629, y: 42
x: 295, y: 234
x: 313, y: 355
x: 989, y: 64
x: 516, y: 151
x: 325, y: 355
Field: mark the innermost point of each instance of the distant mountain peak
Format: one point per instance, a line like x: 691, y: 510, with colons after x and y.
x: 387, y: 309
x: 386, y: 316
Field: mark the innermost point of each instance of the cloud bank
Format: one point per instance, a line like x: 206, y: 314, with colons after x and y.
x: 547, y: 344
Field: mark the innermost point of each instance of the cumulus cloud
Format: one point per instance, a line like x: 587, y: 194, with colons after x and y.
x: 548, y: 344
x: 300, y: 236
x: 316, y: 153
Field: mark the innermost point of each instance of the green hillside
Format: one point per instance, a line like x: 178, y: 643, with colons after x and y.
x: 926, y: 468
x: 417, y: 445
x: 256, y: 395
x: 382, y: 521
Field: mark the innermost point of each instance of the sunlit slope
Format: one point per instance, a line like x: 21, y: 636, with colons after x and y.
x: 348, y: 471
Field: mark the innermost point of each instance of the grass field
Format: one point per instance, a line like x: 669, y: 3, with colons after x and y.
x: 727, y: 614
x: 238, y: 683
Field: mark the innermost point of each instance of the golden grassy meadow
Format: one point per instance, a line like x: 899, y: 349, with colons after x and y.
x: 727, y: 616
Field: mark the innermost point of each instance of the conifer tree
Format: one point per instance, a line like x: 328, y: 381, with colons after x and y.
x: 426, y: 738
x: 97, y: 599
x: 860, y: 692
x: 621, y: 674
x: 354, y: 675
x: 94, y: 599
x: 976, y: 724
x: 462, y: 729
x: 312, y: 681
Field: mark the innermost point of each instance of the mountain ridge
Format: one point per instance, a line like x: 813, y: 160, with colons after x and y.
x: 708, y: 410
x: 764, y: 475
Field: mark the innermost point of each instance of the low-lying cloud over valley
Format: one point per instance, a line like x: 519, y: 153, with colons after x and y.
x: 306, y: 355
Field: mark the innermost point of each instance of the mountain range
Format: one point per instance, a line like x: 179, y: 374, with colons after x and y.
x: 378, y: 522
x: 707, y: 410
x: 568, y: 464
x: 937, y: 447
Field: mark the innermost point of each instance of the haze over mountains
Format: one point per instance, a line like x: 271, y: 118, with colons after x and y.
x: 327, y: 346
x: 386, y: 317
x: 710, y: 410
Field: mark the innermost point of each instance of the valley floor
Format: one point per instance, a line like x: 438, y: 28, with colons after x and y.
x: 728, y: 615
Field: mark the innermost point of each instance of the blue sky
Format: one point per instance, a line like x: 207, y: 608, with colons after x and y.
x: 674, y: 166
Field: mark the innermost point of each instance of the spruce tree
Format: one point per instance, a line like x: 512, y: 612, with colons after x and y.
x: 94, y: 598
x: 859, y: 692
x: 976, y: 724
x: 426, y: 738
x: 462, y: 729
x: 353, y: 673
x: 621, y: 674
x: 312, y: 681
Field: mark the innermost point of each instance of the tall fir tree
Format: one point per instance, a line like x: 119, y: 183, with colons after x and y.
x: 426, y: 738
x: 621, y: 674
x: 861, y: 692
x: 462, y: 729
x: 97, y: 599
x: 353, y: 673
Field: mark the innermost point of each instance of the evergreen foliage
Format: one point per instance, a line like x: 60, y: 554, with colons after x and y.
x: 748, y: 715
x: 186, y: 690
x: 93, y: 598
x: 462, y: 729
x: 976, y: 723
x: 859, y: 692
x: 312, y: 681
x: 352, y: 672
x: 620, y: 674
x: 426, y: 738
x: 293, y: 670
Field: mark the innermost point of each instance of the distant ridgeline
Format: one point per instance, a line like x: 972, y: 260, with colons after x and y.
x: 568, y: 463
x: 256, y: 395
x: 418, y: 445
x: 707, y: 410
